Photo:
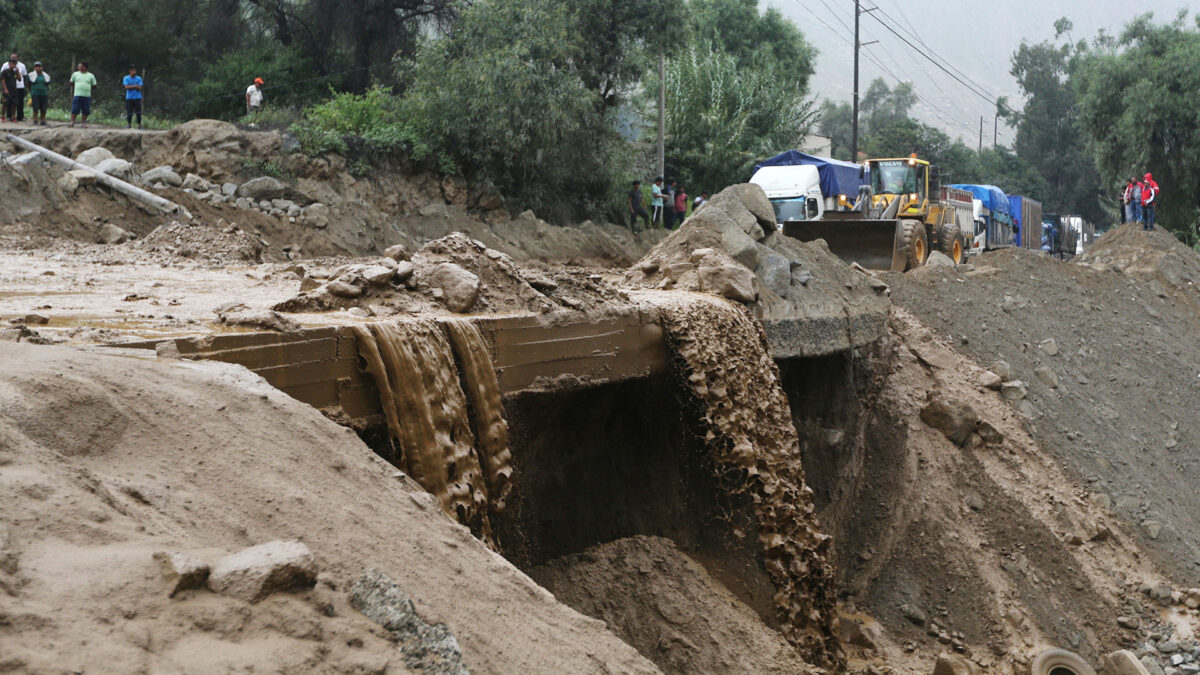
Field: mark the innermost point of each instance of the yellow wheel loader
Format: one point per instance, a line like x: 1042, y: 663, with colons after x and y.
x: 902, y: 215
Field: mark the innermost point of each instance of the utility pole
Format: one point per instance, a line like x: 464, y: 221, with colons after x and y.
x: 980, y: 133
x: 995, y: 128
x: 858, y: 44
x: 662, y: 114
x: 854, y: 125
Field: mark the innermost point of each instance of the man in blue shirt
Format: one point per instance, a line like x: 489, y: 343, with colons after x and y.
x: 133, y: 97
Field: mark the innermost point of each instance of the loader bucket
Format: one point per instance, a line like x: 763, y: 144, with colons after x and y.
x: 874, y: 244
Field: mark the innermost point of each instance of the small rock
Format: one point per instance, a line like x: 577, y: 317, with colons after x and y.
x: 1014, y: 390
x: 162, y: 174
x: 262, y: 189
x: 913, y: 613
x: 990, y: 380
x: 1002, y: 369
x: 731, y: 281
x: 1153, y: 528
x: 852, y: 632
x: 397, y: 252
x: 93, y: 156
x: 111, y: 234
x: 343, y: 289
x: 953, y: 664
x: 378, y: 274
x: 404, y: 270
x: 1049, y: 346
x: 182, y: 571
x: 1130, y: 622
x: 229, y: 189
x: 196, y: 183
x: 939, y: 259
x: 1047, y: 376
x: 1122, y: 662
x: 256, y: 572
x: 258, y: 318
x: 955, y: 419
x: 695, y: 257
x: 69, y: 183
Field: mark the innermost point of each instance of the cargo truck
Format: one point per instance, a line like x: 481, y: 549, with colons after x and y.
x: 805, y: 187
x: 993, y: 218
x: 1027, y: 215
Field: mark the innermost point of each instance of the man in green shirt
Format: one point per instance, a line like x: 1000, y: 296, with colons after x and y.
x: 39, y: 92
x: 81, y: 93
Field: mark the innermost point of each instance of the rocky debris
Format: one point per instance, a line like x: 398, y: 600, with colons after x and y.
x: 195, y: 183
x: 182, y: 571
x: 262, y: 188
x: 94, y: 156
x: 111, y: 234
x: 459, y: 288
x: 955, y: 419
x: 237, y: 314
x: 162, y: 175
x: 430, y: 648
x: 219, y: 243
x: 256, y: 572
x: 120, y: 169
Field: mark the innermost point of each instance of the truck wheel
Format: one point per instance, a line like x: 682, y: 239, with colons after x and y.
x: 1059, y: 662
x: 914, y: 245
x: 951, y: 243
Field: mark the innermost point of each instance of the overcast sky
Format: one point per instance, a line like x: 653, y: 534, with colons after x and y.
x: 976, y: 37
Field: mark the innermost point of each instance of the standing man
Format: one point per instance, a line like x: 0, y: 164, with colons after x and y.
x: 18, y: 94
x: 700, y: 201
x: 681, y: 206
x: 133, y: 97
x: 1149, y: 202
x: 1137, y: 200
x: 8, y: 84
x: 656, y: 202
x: 81, y: 93
x: 636, y: 208
x: 39, y: 92
x: 1127, y: 201
x: 254, y: 96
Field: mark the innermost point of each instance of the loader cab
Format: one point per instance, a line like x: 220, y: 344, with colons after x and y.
x: 906, y: 179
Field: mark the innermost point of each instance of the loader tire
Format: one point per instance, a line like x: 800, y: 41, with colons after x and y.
x: 951, y: 243
x: 1059, y: 662
x: 914, y: 245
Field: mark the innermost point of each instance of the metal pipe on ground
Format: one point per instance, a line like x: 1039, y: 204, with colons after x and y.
x: 127, y: 189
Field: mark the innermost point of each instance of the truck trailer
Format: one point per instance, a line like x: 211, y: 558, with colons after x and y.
x: 1027, y: 214
x: 993, y: 218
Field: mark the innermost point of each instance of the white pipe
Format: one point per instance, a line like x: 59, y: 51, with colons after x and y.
x: 117, y: 184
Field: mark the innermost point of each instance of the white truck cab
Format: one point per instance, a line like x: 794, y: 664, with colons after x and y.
x: 794, y: 191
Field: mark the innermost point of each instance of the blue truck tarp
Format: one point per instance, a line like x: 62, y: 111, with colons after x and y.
x: 1016, y: 202
x: 837, y: 177
x: 992, y: 197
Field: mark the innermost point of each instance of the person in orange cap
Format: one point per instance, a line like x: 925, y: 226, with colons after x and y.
x: 254, y: 96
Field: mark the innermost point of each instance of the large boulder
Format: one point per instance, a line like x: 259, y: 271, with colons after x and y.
x: 263, y: 188
x: 316, y: 215
x: 204, y: 133
x: 111, y: 234
x: 459, y: 287
x: 953, y: 418
x: 93, y: 156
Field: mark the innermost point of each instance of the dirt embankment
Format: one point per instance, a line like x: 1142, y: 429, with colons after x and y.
x: 299, y: 205
x: 1109, y: 363
x: 108, y: 459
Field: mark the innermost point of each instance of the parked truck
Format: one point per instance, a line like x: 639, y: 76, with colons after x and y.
x: 992, y: 217
x: 805, y: 187
x: 904, y: 212
x: 1027, y: 214
x: 1060, y: 235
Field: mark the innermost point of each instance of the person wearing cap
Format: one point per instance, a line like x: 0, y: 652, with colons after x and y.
x: 39, y: 92
x: 1149, y: 201
x: 656, y: 201
x: 133, y: 97
x: 18, y: 94
x: 254, y: 96
x: 81, y: 93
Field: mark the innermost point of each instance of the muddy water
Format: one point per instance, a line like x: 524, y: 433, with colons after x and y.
x: 722, y: 353
x: 429, y: 418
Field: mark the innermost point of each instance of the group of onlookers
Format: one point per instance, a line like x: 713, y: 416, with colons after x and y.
x: 668, y: 204
x: 1140, y: 199
x: 16, y: 81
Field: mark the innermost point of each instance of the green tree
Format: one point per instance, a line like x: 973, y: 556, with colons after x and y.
x: 755, y: 40
x: 1138, y: 105
x: 723, y: 118
x: 1049, y: 133
x: 509, y: 97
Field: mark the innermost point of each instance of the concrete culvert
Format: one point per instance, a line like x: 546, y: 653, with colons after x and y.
x: 1060, y: 662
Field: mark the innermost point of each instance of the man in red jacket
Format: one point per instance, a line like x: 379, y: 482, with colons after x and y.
x: 1149, y: 201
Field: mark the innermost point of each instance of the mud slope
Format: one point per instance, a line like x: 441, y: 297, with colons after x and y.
x: 664, y: 603
x: 107, y: 459
x: 1114, y: 396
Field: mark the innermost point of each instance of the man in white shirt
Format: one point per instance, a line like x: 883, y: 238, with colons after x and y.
x: 254, y: 96
x: 19, y: 96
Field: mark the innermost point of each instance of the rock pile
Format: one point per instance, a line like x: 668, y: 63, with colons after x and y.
x: 220, y: 243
